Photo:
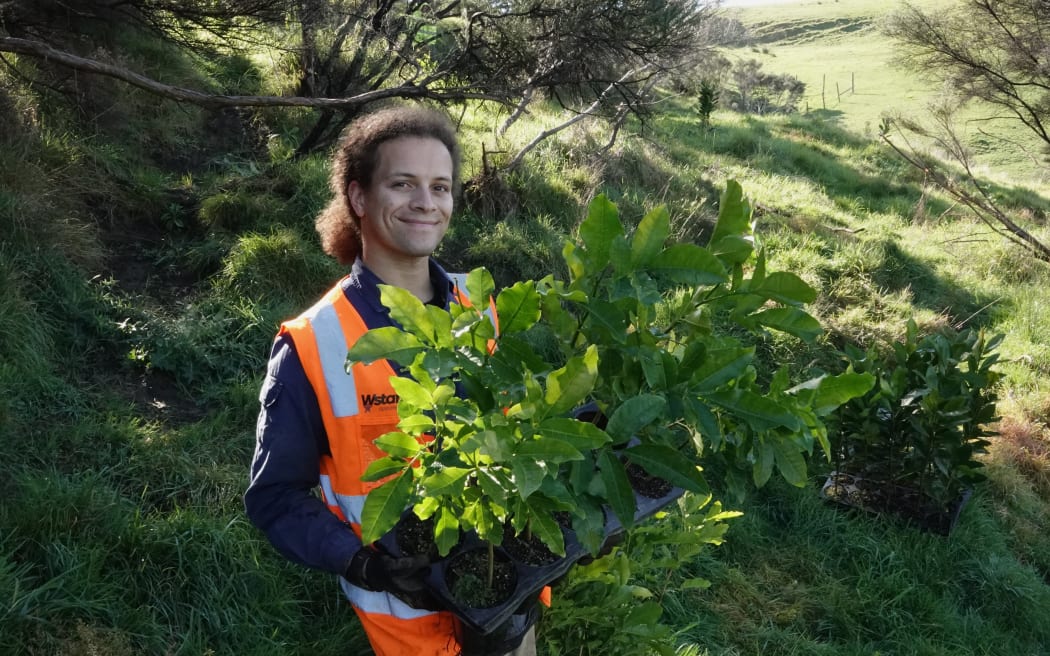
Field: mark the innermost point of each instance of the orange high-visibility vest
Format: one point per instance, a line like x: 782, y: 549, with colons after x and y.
x: 357, y: 408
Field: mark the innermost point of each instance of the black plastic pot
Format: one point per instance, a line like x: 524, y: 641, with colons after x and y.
x: 503, y: 639
x: 530, y: 580
x: 879, y: 497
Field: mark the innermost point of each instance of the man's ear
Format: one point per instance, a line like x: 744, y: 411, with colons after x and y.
x: 356, y: 195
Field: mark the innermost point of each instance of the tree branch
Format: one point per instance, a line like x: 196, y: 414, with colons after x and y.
x: 180, y: 94
x: 575, y: 119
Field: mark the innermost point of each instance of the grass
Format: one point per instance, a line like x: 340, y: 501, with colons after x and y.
x: 837, y: 50
x: 128, y: 399
x: 799, y: 577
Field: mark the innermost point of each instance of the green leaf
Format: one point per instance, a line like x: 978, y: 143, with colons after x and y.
x: 790, y: 461
x: 416, y: 424
x: 764, y: 457
x: 442, y: 321
x: 514, y: 357
x: 480, y: 287
x: 734, y: 213
x: 634, y: 414
x: 399, y: 445
x: 446, y: 531
x: 791, y: 320
x: 643, y: 618
x: 445, y: 481
x: 518, y: 307
x: 438, y: 364
x: 412, y: 393
x: 528, y: 475
x: 494, y: 482
x: 480, y: 336
x: 758, y: 274
x: 387, y: 342
x: 408, y: 311
x: 569, y: 386
x: 707, y: 423
x: 620, y: 255
x: 760, y: 412
x: 721, y: 366
x: 582, y: 435
x: 649, y: 237
x: 599, y: 229
x: 490, y: 443
x: 732, y: 249
x: 573, y: 261
x: 786, y: 288
x: 833, y: 391
x: 618, y: 492
x: 545, y: 528
x: 380, y: 468
x: 547, y: 449
x: 688, y: 264
x: 671, y: 465
x: 606, y: 321
x: 383, y: 507
x: 653, y: 367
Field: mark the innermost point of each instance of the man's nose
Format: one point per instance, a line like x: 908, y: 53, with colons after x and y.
x: 423, y: 199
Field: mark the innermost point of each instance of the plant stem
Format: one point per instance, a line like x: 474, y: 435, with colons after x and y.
x: 492, y: 565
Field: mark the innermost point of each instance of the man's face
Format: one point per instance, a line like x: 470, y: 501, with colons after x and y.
x: 404, y: 213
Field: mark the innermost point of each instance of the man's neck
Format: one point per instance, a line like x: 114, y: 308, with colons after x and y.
x: 411, y: 275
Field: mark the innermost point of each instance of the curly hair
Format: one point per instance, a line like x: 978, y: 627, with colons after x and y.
x: 356, y: 157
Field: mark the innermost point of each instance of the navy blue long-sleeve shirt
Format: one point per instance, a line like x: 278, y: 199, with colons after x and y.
x: 290, y: 440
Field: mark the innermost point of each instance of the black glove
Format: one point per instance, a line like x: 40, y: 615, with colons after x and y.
x: 374, y: 571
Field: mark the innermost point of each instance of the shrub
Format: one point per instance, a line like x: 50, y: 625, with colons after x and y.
x: 924, y: 422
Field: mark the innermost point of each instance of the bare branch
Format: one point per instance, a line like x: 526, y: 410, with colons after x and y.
x: 981, y: 204
x: 575, y: 119
x: 180, y: 94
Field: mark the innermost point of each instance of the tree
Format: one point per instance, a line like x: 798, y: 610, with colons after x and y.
x: 991, y: 50
x: 761, y: 92
x: 349, y: 53
x: 994, y: 51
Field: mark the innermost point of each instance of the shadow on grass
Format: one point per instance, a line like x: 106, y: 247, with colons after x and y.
x: 901, y: 271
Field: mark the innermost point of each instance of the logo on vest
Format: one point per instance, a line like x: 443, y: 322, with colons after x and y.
x: 368, y: 401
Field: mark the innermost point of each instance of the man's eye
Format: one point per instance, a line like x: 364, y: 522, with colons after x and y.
x: 441, y: 188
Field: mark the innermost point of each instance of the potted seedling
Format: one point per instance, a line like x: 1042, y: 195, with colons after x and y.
x: 910, y: 445
x: 500, y: 441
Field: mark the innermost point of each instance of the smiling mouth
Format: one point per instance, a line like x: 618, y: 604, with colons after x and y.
x: 418, y: 222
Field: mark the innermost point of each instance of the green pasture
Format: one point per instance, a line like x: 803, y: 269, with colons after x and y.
x: 837, y: 50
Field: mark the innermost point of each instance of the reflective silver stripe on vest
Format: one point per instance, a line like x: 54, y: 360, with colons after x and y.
x: 380, y: 603
x: 332, y: 347
x: 350, y: 504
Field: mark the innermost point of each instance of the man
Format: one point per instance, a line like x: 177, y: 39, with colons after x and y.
x: 393, y: 179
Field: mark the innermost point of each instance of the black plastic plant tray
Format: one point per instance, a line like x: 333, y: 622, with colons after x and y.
x: 645, y: 506
x: 530, y: 581
x: 840, y: 488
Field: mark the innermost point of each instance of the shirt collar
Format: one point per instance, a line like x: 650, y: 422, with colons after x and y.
x: 366, y: 283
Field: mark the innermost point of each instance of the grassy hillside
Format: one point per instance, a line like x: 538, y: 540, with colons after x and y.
x: 150, y: 250
x: 837, y: 50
